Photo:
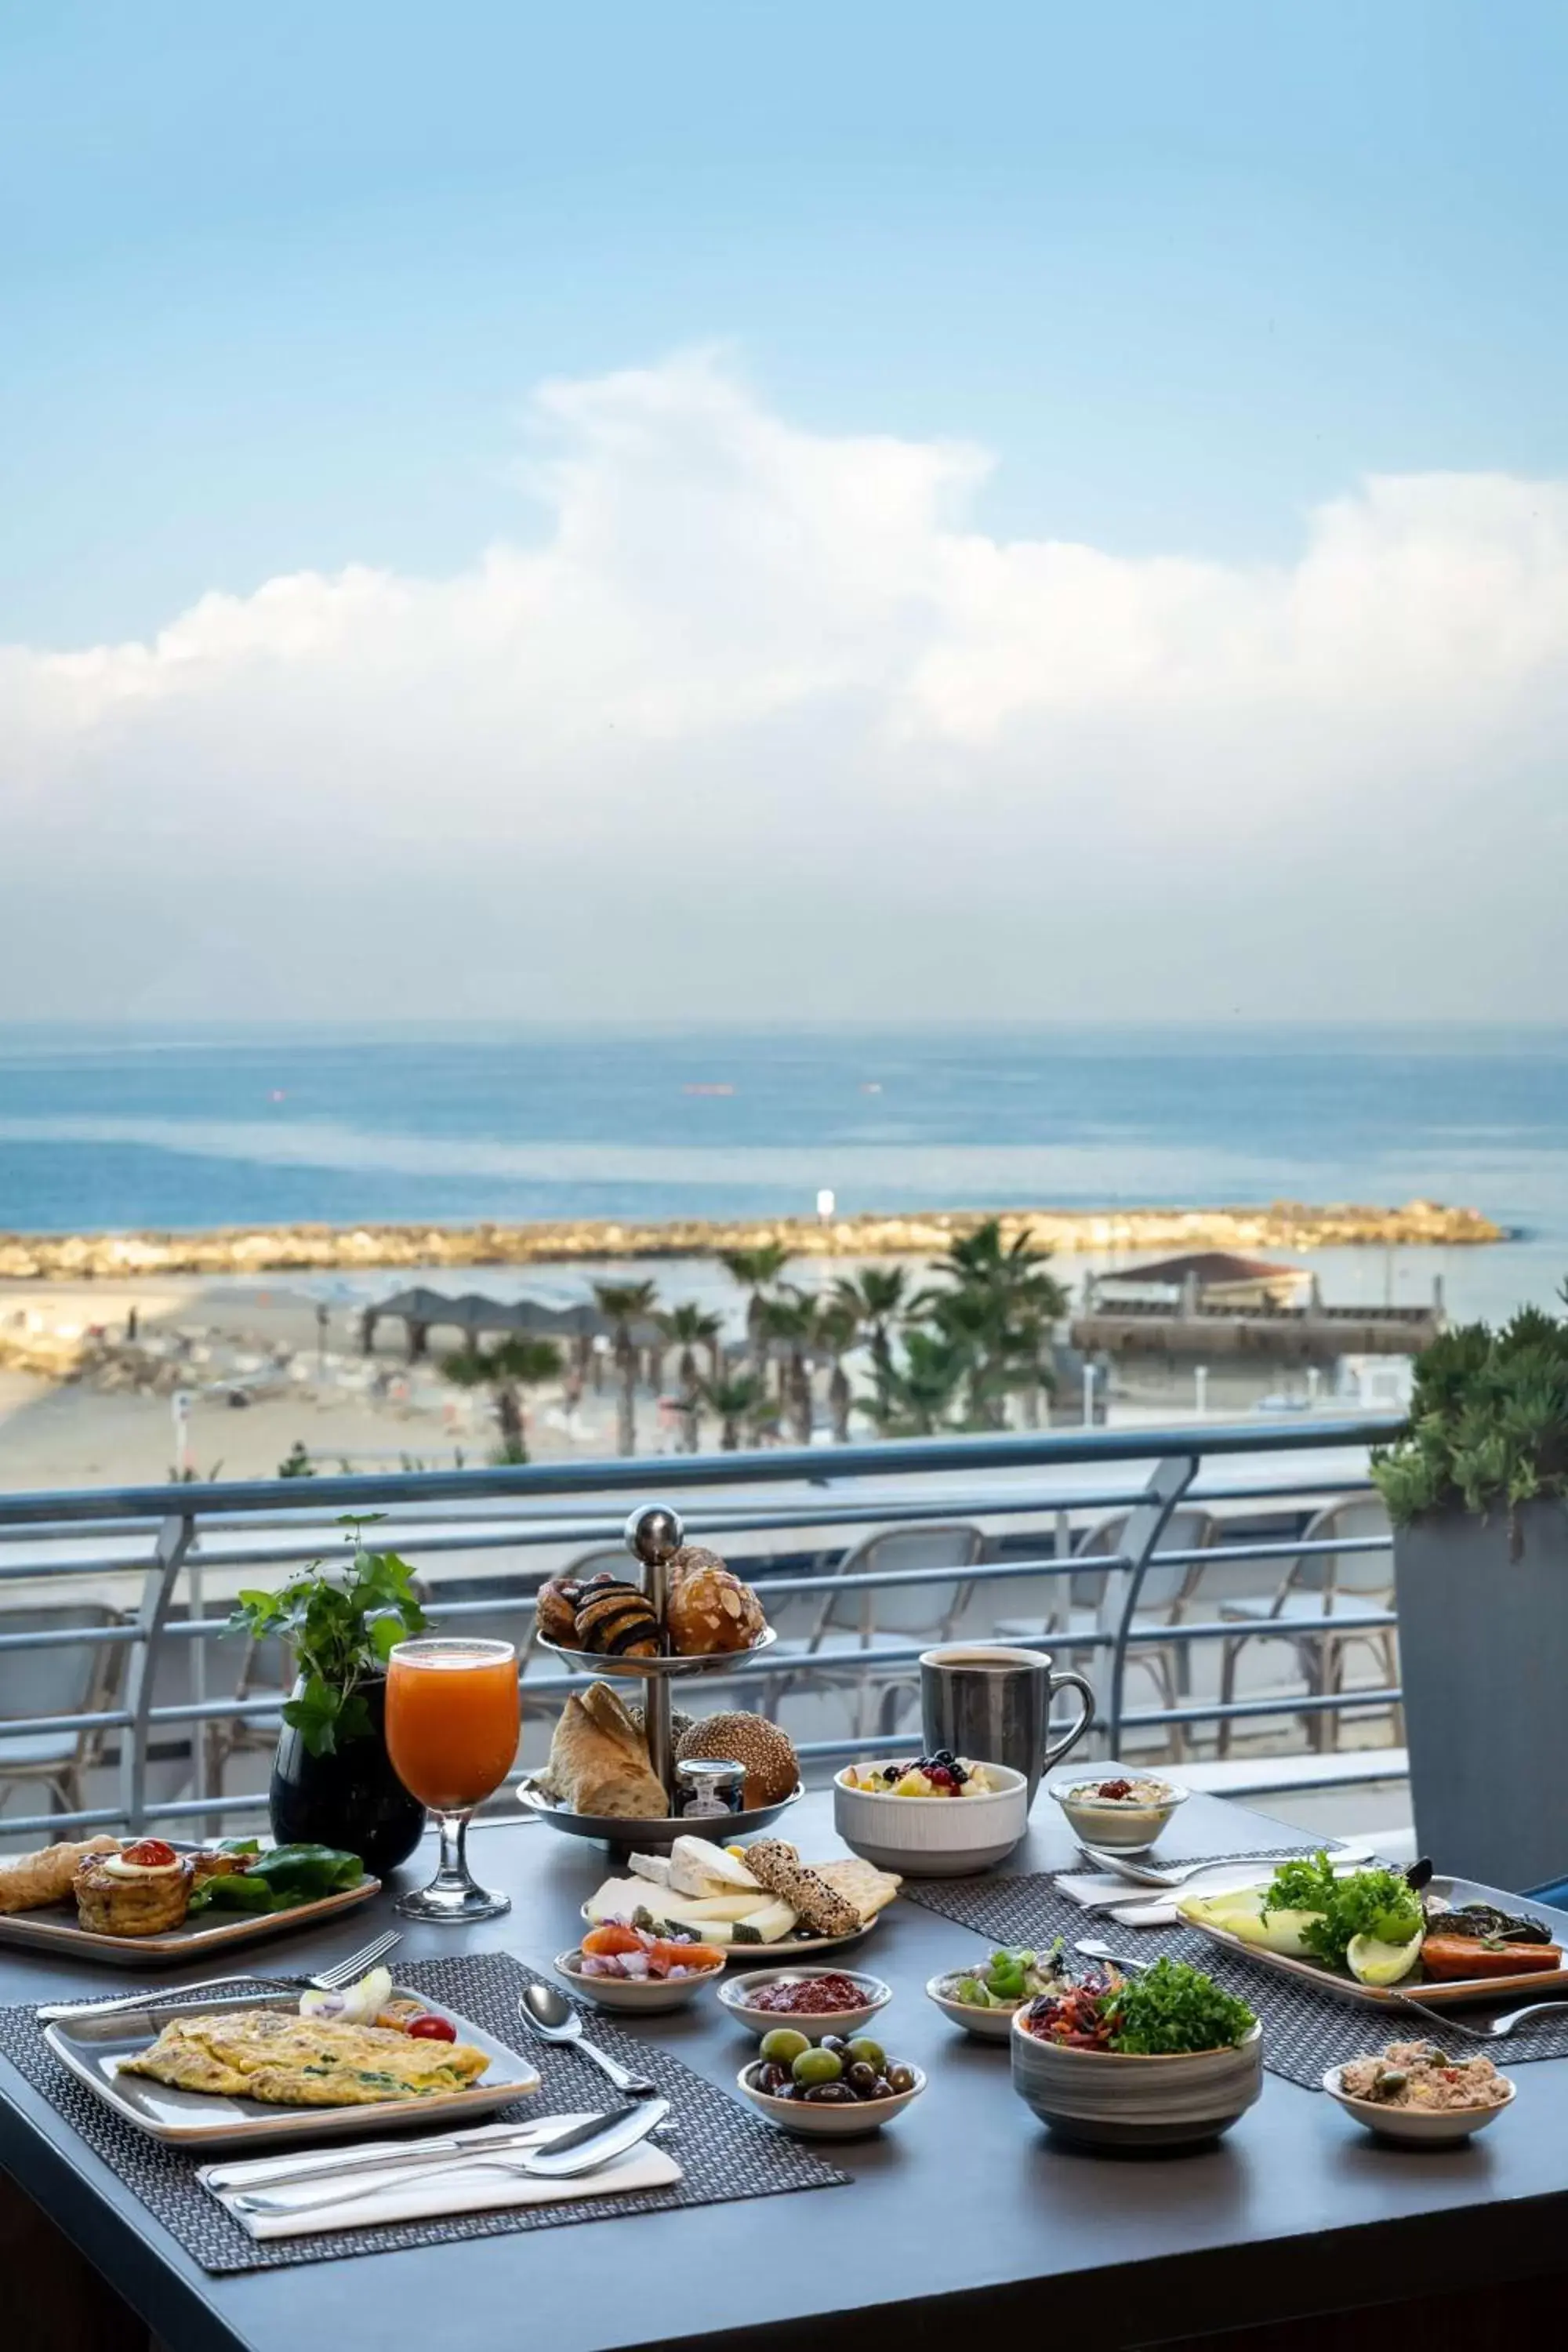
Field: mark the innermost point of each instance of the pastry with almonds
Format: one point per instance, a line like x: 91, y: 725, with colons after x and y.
x: 710, y: 1610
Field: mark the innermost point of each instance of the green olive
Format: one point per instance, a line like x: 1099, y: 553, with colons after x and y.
x: 866, y: 2053
x: 783, y: 2045
x: 814, y: 2066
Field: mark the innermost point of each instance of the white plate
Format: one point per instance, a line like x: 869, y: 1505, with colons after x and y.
x: 1433, y: 1991
x: 733, y: 1996
x: 1419, y: 2126
x: 806, y: 1948
x: 94, y: 2047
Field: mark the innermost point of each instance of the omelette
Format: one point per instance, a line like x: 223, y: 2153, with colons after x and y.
x: 287, y: 2061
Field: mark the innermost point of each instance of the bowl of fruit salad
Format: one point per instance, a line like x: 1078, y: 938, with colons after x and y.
x: 620, y: 1966
x: 983, y: 1998
x: 937, y: 1816
x: 834, y: 2089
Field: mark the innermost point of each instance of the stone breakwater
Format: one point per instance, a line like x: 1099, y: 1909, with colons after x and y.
x: 311, y: 1249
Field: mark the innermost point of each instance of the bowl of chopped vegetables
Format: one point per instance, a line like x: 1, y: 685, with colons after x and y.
x: 983, y: 1998
x: 1165, y: 2059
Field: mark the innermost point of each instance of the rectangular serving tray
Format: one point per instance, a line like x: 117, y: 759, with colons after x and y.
x: 93, y: 2047
x: 210, y: 1935
x: 1542, y: 1983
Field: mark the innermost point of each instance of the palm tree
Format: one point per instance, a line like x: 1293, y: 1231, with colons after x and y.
x: 999, y: 1304
x: 789, y: 1320
x: 756, y: 1270
x: 739, y: 1400
x: 876, y: 1298
x: 513, y: 1364
x: 835, y: 1329
x: 622, y: 1304
x: 923, y: 1390
x: 690, y: 1326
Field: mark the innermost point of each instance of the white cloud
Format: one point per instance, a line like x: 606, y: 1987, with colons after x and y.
x: 759, y: 723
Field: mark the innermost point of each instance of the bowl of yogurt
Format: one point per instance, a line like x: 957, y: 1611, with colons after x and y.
x: 1125, y: 1810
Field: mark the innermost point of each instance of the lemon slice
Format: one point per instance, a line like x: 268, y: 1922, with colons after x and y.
x: 1374, y: 1963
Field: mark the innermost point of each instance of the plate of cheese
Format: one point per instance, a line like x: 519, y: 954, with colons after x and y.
x: 750, y: 1901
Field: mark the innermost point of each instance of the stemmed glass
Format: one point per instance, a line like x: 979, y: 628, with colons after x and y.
x: 452, y: 1721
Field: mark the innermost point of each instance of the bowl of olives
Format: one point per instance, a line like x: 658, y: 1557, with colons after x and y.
x: 832, y: 2089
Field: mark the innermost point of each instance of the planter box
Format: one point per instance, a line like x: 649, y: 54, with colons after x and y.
x: 1483, y: 1642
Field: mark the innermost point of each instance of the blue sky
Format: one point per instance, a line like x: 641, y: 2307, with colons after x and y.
x: 276, y: 283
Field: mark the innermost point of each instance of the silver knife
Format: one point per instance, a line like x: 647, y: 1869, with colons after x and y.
x: 585, y: 2147
x: 270, y: 2172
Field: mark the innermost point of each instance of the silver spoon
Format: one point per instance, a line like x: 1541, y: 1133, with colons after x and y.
x: 1093, y: 1949
x: 551, y: 2016
x: 1496, y: 2029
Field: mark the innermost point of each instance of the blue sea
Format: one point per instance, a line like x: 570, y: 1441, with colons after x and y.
x: 115, y: 1129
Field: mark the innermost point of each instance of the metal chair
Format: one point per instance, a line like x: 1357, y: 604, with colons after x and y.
x: 266, y: 1671
x: 76, y: 1678
x: 1316, y: 1586
x: 1163, y: 1598
x: 912, y: 1612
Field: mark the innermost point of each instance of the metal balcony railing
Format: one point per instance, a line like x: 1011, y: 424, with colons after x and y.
x: 160, y: 1557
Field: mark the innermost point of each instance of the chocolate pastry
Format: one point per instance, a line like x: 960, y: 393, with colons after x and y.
x: 614, y: 1620
x: 556, y: 1607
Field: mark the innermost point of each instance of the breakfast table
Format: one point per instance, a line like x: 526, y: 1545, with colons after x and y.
x: 962, y: 2222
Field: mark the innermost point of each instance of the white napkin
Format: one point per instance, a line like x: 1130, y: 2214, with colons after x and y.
x: 1151, y: 1908
x: 472, y: 2185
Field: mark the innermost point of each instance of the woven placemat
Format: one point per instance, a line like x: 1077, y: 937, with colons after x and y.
x: 723, y: 2151
x: 1304, y: 2029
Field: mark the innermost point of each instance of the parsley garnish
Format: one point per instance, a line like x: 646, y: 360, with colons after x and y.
x: 1172, y: 2007
x: 1378, y: 1903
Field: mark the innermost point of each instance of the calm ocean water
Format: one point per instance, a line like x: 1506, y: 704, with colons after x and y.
x: 167, y: 1129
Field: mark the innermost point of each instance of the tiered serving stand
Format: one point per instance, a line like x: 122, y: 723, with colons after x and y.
x: 654, y: 1535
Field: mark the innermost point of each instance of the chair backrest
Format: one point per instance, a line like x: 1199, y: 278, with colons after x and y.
x: 66, y: 1680
x: 1364, y: 1575
x: 1165, y: 1585
x: 915, y: 1610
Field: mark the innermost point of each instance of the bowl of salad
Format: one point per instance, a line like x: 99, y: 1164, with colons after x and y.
x: 1164, y: 2060
x: 983, y: 1998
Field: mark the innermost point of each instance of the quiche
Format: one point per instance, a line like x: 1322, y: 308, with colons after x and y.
x: 287, y: 2061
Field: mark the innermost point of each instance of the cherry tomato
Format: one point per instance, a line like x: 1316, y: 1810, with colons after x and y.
x: 430, y: 2028
x: 150, y: 1853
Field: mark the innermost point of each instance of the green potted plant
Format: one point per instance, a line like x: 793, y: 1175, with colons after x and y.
x: 1477, y: 1492
x: 333, y: 1782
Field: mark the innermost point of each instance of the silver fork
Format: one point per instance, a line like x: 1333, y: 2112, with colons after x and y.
x: 1094, y: 1948
x: 1496, y: 2029
x: 341, y: 1974
x: 1148, y: 1873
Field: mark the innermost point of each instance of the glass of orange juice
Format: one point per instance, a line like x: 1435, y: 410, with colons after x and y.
x: 452, y: 1721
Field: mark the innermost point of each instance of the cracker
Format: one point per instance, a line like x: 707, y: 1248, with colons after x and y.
x: 870, y: 1889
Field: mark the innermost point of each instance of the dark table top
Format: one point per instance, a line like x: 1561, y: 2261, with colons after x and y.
x: 964, y: 2212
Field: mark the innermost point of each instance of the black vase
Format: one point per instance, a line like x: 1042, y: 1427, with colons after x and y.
x: 352, y: 1798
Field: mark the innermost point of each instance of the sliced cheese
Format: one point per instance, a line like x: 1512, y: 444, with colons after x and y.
x: 776, y: 1920
x: 698, y: 1908
x: 618, y: 1898
x: 698, y: 1867
x: 654, y: 1867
